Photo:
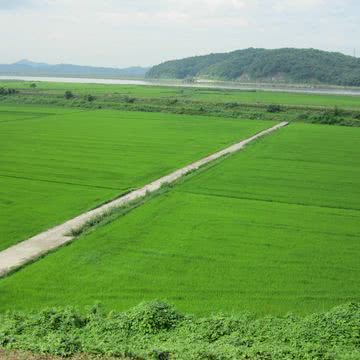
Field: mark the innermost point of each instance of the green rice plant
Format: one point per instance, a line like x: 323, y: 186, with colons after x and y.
x: 60, y: 162
x: 261, y: 231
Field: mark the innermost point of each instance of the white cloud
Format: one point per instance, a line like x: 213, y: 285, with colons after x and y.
x: 126, y: 32
x: 296, y: 5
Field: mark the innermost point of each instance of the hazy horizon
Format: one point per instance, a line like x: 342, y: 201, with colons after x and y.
x: 128, y: 33
x: 129, y: 66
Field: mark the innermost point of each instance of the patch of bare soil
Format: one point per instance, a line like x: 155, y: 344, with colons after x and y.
x: 18, y: 355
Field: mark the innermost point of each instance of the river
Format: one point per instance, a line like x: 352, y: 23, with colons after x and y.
x: 200, y: 84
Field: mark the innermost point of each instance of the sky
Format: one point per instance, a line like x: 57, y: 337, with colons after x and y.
x: 123, y: 33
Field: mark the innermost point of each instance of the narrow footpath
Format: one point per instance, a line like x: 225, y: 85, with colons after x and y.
x: 36, y: 246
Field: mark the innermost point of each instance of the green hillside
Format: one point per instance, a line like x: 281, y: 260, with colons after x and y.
x: 280, y: 65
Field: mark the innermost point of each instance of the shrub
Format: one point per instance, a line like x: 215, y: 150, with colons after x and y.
x: 328, y: 117
x: 303, y: 116
x: 273, y: 108
x: 231, y: 105
x: 337, y: 111
x: 68, y: 95
x: 90, y: 98
x: 128, y: 99
x: 7, y: 91
x: 172, y: 101
x: 150, y: 318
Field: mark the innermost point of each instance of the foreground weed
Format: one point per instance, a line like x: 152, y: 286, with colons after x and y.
x: 156, y: 330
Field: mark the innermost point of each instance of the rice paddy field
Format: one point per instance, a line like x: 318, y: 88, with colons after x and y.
x: 192, y: 94
x: 272, y: 229
x: 57, y: 163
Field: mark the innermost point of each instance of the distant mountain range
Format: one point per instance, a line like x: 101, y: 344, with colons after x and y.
x: 30, y: 68
x: 280, y: 66
x: 288, y: 65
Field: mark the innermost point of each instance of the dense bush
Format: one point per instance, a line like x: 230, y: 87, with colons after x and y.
x: 330, y: 117
x: 7, y: 91
x: 273, y: 108
x: 129, y: 99
x: 68, y: 95
x: 90, y: 98
x: 157, y: 331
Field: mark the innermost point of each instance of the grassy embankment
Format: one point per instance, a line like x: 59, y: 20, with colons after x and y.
x: 327, y: 109
x: 272, y: 229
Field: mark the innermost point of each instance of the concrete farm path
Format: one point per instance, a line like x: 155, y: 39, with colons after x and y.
x: 36, y: 246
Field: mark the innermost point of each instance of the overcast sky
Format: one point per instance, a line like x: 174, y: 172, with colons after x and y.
x: 145, y: 32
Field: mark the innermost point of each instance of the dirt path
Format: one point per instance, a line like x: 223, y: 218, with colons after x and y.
x: 30, y: 249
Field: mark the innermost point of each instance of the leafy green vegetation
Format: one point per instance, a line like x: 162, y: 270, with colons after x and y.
x: 257, y: 105
x: 271, y: 229
x: 68, y: 95
x: 57, y: 163
x: 116, y: 92
x: 279, y: 65
x: 157, y: 331
x: 7, y: 91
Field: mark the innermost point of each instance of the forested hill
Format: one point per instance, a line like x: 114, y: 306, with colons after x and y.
x: 281, y: 65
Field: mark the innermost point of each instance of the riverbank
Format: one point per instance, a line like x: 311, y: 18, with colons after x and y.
x: 201, y: 83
